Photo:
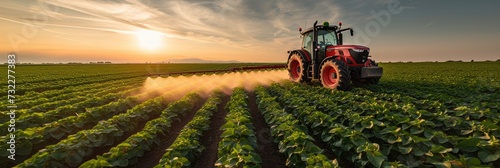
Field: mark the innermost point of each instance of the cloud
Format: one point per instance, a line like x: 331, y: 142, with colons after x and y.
x: 248, y: 24
x: 237, y: 23
x: 253, y: 23
x: 129, y: 12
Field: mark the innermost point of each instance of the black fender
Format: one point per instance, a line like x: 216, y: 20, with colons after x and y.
x: 326, y: 59
x: 300, y: 53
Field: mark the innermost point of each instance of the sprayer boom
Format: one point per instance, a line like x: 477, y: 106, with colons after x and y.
x: 246, y: 68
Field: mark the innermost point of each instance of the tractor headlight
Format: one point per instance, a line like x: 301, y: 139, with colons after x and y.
x: 357, y: 50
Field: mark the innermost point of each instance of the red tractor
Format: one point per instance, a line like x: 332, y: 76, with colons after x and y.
x: 323, y: 57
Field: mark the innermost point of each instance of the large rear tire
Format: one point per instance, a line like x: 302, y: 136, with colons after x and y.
x: 335, y: 75
x: 297, y: 69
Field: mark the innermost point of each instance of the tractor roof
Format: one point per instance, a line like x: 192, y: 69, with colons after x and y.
x: 334, y: 27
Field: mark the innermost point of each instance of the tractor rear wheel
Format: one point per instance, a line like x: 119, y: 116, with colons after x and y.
x: 335, y: 75
x: 297, y: 69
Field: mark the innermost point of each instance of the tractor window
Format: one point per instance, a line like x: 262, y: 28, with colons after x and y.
x: 326, y: 38
x: 306, y: 42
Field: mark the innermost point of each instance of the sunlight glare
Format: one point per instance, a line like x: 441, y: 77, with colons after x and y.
x: 149, y: 39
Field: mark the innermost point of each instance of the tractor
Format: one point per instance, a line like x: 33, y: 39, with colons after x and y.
x: 324, y: 57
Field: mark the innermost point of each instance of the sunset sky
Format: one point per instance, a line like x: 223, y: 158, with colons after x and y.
x: 243, y: 30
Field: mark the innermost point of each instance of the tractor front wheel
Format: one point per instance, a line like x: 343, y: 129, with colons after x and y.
x: 335, y: 75
x: 297, y: 69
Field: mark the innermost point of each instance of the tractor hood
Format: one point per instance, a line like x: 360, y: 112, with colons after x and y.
x: 356, y: 47
x: 357, y: 53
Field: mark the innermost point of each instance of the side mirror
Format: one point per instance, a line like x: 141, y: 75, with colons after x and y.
x: 352, y: 32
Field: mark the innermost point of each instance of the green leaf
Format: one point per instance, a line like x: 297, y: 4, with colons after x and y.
x: 392, y: 139
x: 99, y: 162
x: 255, y: 158
x: 310, y: 161
x: 184, y: 161
x: 228, y: 132
x: 73, y: 158
x: 79, y: 124
x: 469, y: 145
x: 358, y: 141
x: 59, y: 154
x: 474, y: 162
x: 326, y: 137
x: 122, y: 162
x: 335, y: 130
x: 25, y: 148
x: 446, y: 164
x: 57, y: 134
x: 440, y: 149
x: 376, y: 158
x: 487, y: 156
x: 405, y: 150
x: 465, y: 132
x: 418, y: 152
x: 415, y: 131
x: 338, y: 143
x: 367, y: 124
x: 391, y: 129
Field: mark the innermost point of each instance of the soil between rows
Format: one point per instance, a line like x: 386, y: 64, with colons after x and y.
x: 211, y: 138
x: 152, y: 158
x: 266, y: 148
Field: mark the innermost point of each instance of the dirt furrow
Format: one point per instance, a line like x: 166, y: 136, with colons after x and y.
x: 152, y: 158
x: 211, y: 138
x: 266, y: 148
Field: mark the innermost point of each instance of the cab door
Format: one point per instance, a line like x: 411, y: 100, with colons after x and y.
x: 307, y: 42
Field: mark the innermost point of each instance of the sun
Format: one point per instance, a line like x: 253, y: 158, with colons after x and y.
x: 149, y: 39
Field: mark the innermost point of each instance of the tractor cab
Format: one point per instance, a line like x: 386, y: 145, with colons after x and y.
x: 326, y: 37
x: 329, y: 42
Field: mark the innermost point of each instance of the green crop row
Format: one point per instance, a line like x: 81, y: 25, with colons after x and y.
x: 48, y: 77
x: 28, y: 104
x: 31, y: 99
x: 293, y: 139
x: 187, y: 146
x: 88, y: 94
x: 74, y: 148
x: 405, y: 133
x: 237, y: 147
x: 347, y: 143
x: 30, y: 139
x: 47, y: 73
x: 441, y: 129
x: 40, y: 118
x: 397, y: 110
x: 73, y: 76
x: 61, y: 84
x: 128, y: 152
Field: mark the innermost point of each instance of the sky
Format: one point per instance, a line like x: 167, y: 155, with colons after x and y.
x: 141, y: 31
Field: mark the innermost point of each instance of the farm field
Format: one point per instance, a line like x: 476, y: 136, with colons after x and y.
x: 419, y: 115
